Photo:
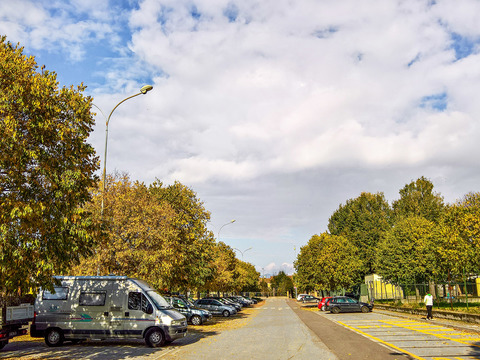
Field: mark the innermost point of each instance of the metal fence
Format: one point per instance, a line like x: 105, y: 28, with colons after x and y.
x: 458, y: 292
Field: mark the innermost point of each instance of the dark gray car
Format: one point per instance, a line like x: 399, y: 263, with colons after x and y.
x: 215, y: 307
x: 194, y: 315
x: 346, y: 304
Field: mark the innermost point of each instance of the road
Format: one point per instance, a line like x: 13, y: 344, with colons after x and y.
x: 281, y: 329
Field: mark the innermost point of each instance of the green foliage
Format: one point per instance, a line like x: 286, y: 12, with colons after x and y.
x: 46, y: 168
x: 328, y: 262
x: 282, y: 284
x: 459, y: 242
x: 362, y: 221
x: 407, y: 252
x: 418, y: 199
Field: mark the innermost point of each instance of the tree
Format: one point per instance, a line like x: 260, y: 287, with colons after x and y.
x: 223, y: 269
x: 363, y: 221
x: 460, y: 238
x: 139, y: 238
x: 328, y: 262
x: 46, y: 169
x: 282, y: 284
x: 194, y: 242
x: 407, y: 252
x: 418, y: 199
x: 246, y: 277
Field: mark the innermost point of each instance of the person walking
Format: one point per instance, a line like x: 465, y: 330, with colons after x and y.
x: 428, y: 300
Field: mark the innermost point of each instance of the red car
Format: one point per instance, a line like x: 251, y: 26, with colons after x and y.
x: 323, y: 302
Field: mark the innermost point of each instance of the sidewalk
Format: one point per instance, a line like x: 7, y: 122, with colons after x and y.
x: 459, y: 325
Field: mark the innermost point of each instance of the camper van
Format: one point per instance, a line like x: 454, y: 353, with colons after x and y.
x: 105, y: 307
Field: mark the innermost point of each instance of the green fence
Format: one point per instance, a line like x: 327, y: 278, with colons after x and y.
x: 455, y: 291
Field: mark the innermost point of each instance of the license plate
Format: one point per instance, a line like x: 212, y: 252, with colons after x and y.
x: 12, y: 333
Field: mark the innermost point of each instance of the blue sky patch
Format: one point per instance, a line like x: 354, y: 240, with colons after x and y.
x: 435, y: 101
x: 463, y: 46
x: 231, y: 12
x: 326, y: 32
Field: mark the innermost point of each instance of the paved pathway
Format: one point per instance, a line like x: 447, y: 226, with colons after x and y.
x: 274, y: 333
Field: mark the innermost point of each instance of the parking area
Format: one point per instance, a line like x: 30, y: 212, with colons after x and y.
x: 25, y: 347
x: 415, y: 337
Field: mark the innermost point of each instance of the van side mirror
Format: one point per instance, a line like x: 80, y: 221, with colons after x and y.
x: 149, y: 309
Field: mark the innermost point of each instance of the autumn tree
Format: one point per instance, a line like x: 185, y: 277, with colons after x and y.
x: 363, y: 221
x: 194, y: 242
x: 46, y: 168
x: 139, y: 238
x: 418, y: 199
x: 406, y: 254
x: 246, y: 278
x: 223, y: 269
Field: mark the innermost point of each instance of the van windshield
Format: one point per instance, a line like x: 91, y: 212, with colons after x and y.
x: 158, y: 300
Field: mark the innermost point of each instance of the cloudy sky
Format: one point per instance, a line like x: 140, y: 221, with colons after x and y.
x: 274, y: 112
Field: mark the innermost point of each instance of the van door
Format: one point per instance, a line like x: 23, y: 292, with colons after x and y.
x: 90, y: 316
x: 138, y: 315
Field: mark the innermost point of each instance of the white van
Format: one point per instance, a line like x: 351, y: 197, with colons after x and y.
x: 105, y: 307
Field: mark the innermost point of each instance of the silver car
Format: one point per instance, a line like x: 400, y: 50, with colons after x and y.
x: 215, y: 307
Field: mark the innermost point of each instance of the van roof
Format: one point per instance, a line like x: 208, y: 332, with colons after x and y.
x: 103, y: 277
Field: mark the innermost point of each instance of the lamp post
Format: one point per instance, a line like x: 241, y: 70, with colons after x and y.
x: 242, y: 252
x: 143, y: 90
x: 230, y: 222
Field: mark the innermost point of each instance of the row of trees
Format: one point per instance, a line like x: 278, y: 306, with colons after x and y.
x: 51, y: 221
x: 416, y: 239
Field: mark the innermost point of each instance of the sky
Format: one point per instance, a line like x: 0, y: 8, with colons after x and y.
x: 274, y: 112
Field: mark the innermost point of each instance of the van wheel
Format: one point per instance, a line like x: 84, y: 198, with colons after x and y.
x: 196, y: 320
x: 54, y: 337
x: 226, y: 313
x: 154, y: 337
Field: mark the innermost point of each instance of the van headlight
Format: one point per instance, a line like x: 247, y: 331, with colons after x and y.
x: 178, y: 322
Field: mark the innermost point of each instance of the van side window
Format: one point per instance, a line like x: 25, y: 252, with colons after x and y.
x: 96, y: 298
x: 61, y: 293
x: 137, y: 301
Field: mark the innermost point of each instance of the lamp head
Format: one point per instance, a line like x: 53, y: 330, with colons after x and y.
x: 146, y: 88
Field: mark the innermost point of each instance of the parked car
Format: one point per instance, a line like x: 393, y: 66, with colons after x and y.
x: 194, y: 315
x: 215, y: 307
x: 300, y: 296
x: 347, y: 304
x: 323, y: 301
x: 228, y: 302
x: 241, y: 300
x: 309, y: 298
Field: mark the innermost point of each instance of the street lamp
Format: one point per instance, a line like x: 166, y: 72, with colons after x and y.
x: 143, y: 90
x: 242, y: 252
x: 230, y: 222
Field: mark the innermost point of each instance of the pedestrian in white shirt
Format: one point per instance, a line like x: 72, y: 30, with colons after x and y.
x: 428, y: 300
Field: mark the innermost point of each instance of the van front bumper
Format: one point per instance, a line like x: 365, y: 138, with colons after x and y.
x: 176, y: 332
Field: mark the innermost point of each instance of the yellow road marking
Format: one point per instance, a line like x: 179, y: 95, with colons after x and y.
x: 381, y: 341
x: 426, y: 331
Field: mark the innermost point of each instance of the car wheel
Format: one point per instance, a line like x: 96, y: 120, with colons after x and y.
x: 335, y: 310
x: 196, y: 320
x: 365, y: 309
x: 226, y: 313
x: 54, y: 337
x: 154, y: 337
